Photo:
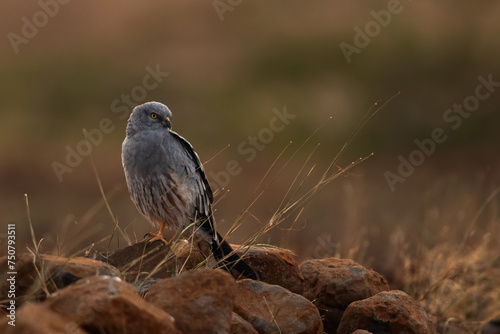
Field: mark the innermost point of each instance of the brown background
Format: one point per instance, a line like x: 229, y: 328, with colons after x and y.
x: 225, y: 79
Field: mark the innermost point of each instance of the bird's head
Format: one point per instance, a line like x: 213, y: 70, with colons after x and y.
x: 149, y: 116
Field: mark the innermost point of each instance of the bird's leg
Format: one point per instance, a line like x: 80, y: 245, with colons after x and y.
x: 157, y: 236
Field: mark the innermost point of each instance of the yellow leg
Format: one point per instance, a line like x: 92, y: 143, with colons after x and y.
x: 157, y: 236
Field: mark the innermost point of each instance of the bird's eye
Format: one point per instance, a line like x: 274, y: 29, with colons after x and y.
x: 154, y: 115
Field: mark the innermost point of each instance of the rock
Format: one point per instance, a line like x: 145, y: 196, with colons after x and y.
x: 201, y: 301
x: 39, y: 275
x: 188, y: 257
x: 273, y: 309
x: 25, y: 277
x: 241, y: 326
x: 273, y: 266
x: 38, y: 319
x: 386, y: 312
x: 104, y: 304
x: 142, y: 261
x: 78, y: 266
x: 142, y: 286
x: 63, y: 271
x: 361, y: 331
x: 491, y: 327
x: 332, y: 284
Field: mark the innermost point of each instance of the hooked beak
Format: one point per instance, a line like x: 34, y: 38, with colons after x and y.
x: 166, y: 122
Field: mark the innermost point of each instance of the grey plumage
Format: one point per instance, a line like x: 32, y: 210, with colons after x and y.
x: 167, y: 182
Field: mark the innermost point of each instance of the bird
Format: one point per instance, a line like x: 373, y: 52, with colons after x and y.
x: 168, y: 185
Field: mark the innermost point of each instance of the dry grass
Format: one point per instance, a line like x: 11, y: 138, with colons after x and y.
x: 453, y: 277
x: 457, y: 279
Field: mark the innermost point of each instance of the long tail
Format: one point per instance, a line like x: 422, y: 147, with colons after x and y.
x: 229, y: 260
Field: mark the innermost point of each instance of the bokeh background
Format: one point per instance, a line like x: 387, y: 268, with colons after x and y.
x: 228, y: 69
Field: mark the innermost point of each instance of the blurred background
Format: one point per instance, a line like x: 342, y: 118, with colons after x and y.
x: 226, y: 70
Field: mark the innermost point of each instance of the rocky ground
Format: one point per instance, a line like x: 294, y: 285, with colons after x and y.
x: 161, y: 289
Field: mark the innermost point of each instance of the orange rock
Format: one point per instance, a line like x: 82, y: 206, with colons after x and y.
x: 142, y: 261
x: 201, y: 301
x: 78, y: 266
x: 104, y: 304
x: 273, y: 266
x: 241, y: 326
x: 332, y: 284
x: 386, y: 312
x: 49, y: 273
x: 38, y: 319
x: 273, y: 309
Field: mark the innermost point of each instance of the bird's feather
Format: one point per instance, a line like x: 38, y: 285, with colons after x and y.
x: 195, y: 175
x: 167, y: 182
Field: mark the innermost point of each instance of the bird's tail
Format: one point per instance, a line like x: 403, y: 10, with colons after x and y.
x: 224, y: 253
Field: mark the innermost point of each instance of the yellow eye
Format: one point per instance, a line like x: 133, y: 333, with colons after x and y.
x: 154, y: 115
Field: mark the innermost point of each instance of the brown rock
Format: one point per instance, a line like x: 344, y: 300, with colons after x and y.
x: 25, y: 278
x: 143, y: 261
x: 104, y: 304
x: 332, y: 284
x: 201, y: 301
x: 78, y: 266
x: 386, y: 312
x: 241, y: 326
x: 43, y: 274
x: 273, y: 266
x: 361, y: 331
x: 273, y: 309
x: 142, y: 286
x: 38, y: 319
x: 188, y: 257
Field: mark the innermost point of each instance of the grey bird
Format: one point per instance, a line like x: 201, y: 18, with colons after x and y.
x: 168, y: 185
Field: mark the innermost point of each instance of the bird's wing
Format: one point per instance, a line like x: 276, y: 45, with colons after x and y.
x: 204, y: 195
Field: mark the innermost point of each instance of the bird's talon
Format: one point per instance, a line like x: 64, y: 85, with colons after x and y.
x: 155, y: 237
